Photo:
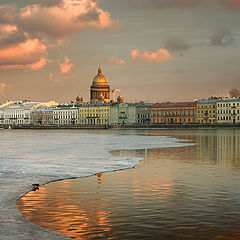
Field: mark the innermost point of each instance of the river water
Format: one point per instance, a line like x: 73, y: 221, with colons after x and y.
x: 185, y: 187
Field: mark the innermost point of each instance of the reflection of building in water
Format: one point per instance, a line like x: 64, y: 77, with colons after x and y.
x: 220, y: 148
x: 56, y: 212
x: 100, y: 178
x: 139, y: 153
x: 228, y: 148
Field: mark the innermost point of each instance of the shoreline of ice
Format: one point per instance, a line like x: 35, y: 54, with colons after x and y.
x: 42, y: 157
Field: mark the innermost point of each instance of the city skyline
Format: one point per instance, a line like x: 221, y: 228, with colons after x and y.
x: 152, y: 50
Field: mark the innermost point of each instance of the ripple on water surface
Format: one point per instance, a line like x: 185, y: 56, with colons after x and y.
x: 176, y: 193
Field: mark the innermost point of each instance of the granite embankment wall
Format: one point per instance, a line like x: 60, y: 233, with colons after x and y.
x: 135, y: 126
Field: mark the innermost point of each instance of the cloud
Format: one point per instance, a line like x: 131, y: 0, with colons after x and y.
x: 38, y: 65
x: 10, y: 35
x: 176, y: 45
x: 117, y: 61
x: 59, y: 20
x: 175, y: 3
x: 22, y: 45
x: 30, y: 54
x: 49, y: 3
x: 159, y: 4
x: 3, y: 87
x: 8, y: 14
x: 235, y: 4
x: 151, y: 56
x: 65, y: 66
x: 222, y: 37
x: 53, y: 77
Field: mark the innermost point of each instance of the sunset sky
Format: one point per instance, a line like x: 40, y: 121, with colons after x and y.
x: 153, y: 50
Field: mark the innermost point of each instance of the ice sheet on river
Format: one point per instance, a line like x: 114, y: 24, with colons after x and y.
x: 69, y: 154
x: 41, y: 156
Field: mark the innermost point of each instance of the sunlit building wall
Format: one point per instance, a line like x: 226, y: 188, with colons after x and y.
x: 94, y: 114
x: 18, y: 113
x: 228, y: 110
x: 207, y: 111
x: 65, y: 115
x: 173, y: 113
x: 1, y: 117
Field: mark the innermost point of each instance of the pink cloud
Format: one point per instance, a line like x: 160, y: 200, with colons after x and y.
x: 117, y: 61
x: 3, y: 87
x: 38, y: 65
x: 151, y: 56
x: 30, y: 54
x: 232, y: 3
x: 65, y: 66
x: 9, y: 28
x: 53, y: 77
x: 63, y: 19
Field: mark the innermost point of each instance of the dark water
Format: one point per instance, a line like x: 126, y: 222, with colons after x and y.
x: 174, y: 193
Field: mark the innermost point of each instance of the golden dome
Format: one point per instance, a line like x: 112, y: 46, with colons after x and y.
x: 100, y: 79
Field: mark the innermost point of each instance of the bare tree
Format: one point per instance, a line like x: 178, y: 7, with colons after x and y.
x: 234, y: 92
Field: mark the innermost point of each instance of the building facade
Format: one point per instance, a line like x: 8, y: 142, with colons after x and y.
x: 65, y: 115
x: 18, y: 113
x: 94, y: 114
x: 207, y: 111
x: 42, y: 116
x: 173, y: 113
x: 228, y: 110
x: 144, y: 113
x: 99, y: 90
x: 123, y: 113
x: 1, y: 116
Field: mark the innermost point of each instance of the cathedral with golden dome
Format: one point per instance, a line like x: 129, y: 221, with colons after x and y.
x: 100, y: 90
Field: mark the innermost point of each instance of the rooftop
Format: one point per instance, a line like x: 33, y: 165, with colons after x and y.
x: 174, y: 104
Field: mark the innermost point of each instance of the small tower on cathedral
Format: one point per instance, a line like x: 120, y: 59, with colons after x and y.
x: 120, y: 99
x: 79, y: 99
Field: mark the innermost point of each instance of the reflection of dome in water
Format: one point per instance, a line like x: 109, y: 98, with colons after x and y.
x: 120, y: 99
x: 99, y: 80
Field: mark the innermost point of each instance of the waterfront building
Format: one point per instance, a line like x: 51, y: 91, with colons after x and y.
x: 1, y: 116
x: 42, y: 116
x: 65, y: 115
x: 100, y: 90
x: 144, y: 113
x: 207, y: 111
x: 228, y: 110
x: 123, y: 113
x: 94, y: 114
x: 18, y: 113
x: 173, y: 113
